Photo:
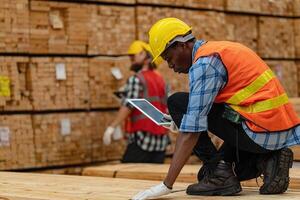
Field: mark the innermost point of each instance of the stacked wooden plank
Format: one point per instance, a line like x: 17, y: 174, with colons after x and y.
x: 57, y: 27
x: 99, y: 121
x: 112, y: 29
x: 282, y: 7
x: 73, y: 138
x: 286, y: 72
x: 59, y: 83
x: 14, y: 77
x: 62, y: 139
x: 275, y: 33
x: 297, y: 36
x: 158, y: 173
x: 203, y: 4
x: 103, y: 83
x: 28, y: 186
x: 16, y: 142
x: 14, y: 26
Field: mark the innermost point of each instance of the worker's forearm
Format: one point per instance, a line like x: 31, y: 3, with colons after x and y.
x: 121, y: 116
x: 185, y: 143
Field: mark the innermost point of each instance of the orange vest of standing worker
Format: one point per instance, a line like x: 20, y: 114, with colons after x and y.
x: 155, y: 92
x: 252, y: 89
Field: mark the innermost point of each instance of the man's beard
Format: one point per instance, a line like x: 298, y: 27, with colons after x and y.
x: 136, y: 67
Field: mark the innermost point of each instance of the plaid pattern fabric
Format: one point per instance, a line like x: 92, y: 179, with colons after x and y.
x: 145, y: 140
x: 207, y: 76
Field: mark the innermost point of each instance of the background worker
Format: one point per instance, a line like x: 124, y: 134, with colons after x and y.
x: 147, y: 141
x: 234, y: 95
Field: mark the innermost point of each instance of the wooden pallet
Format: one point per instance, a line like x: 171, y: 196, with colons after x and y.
x: 16, y: 186
x: 158, y: 172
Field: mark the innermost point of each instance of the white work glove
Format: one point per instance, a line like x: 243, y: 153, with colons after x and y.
x: 108, y: 134
x: 111, y: 132
x: 173, y: 127
x: 154, y: 191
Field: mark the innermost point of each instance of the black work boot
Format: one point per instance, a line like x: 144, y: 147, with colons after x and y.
x: 275, y: 168
x: 221, y: 180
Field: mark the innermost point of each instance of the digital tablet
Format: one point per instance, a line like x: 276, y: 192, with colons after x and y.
x: 149, y: 111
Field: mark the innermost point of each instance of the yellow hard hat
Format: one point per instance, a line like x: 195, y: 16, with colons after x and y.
x: 163, y: 32
x: 138, y: 46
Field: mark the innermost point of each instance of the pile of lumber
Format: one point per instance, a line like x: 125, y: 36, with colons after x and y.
x: 44, y: 186
x: 62, y: 62
x: 158, y: 172
x: 14, y: 26
x: 57, y: 139
x: 16, y: 142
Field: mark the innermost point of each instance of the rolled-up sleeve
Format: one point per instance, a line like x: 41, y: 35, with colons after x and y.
x: 207, y: 77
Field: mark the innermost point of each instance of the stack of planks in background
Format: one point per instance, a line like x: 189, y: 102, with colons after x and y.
x: 57, y: 57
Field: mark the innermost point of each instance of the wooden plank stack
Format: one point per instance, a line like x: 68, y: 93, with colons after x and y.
x: 99, y: 121
x: 62, y: 139
x: 102, y: 83
x: 286, y: 72
x: 73, y: 138
x: 15, y: 70
x: 57, y: 27
x: 275, y: 33
x: 157, y: 172
x: 18, y: 186
x: 112, y: 29
x: 16, y: 142
x: 59, y: 83
x: 14, y: 26
x: 70, y: 48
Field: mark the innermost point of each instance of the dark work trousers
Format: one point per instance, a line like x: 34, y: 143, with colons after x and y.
x: 134, y: 154
x: 237, y: 146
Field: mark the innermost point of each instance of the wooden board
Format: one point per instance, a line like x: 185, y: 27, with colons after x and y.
x: 102, y: 83
x: 112, y: 29
x: 297, y: 35
x: 159, y: 171
x: 274, y: 32
x: 15, y: 186
x: 14, y: 26
x: 296, y: 151
x: 286, y: 72
x: 72, y: 28
x: 73, y: 138
x: 16, y: 70
x: 282, y: 7
x: 16, y: 142
x: 51, y: 93
x: 210, y: 4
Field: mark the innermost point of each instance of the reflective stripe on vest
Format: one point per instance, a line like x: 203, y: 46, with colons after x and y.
x: 265, y: 105
x: 251, y: 89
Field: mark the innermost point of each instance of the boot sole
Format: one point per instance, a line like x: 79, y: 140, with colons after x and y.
x: 231, y: 190
x: 280, y: 183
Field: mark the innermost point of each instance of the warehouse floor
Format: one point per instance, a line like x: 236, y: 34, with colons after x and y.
x: 27, y: 186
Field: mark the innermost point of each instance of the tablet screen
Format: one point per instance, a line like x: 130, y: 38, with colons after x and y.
x: 149, y: 110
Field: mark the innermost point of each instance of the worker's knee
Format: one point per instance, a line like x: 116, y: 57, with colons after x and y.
x: 178, y: 101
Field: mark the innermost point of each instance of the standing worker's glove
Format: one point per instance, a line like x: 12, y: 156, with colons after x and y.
x: 111, y: 132
x: 173, y: 127
x: 108, y: 135
x: 154, y: 191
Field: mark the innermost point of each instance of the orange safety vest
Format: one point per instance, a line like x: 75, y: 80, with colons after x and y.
x: 155, y: 92
x: 252, y: 89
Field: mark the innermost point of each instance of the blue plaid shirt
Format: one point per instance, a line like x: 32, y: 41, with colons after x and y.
x: 207, y: 77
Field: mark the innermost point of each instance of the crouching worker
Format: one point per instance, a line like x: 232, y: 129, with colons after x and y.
x: 234, y: 95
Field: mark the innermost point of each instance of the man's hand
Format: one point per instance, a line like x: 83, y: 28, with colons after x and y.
x: 108, y: 134
x: 154, y: 191
x: 173, y: 127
